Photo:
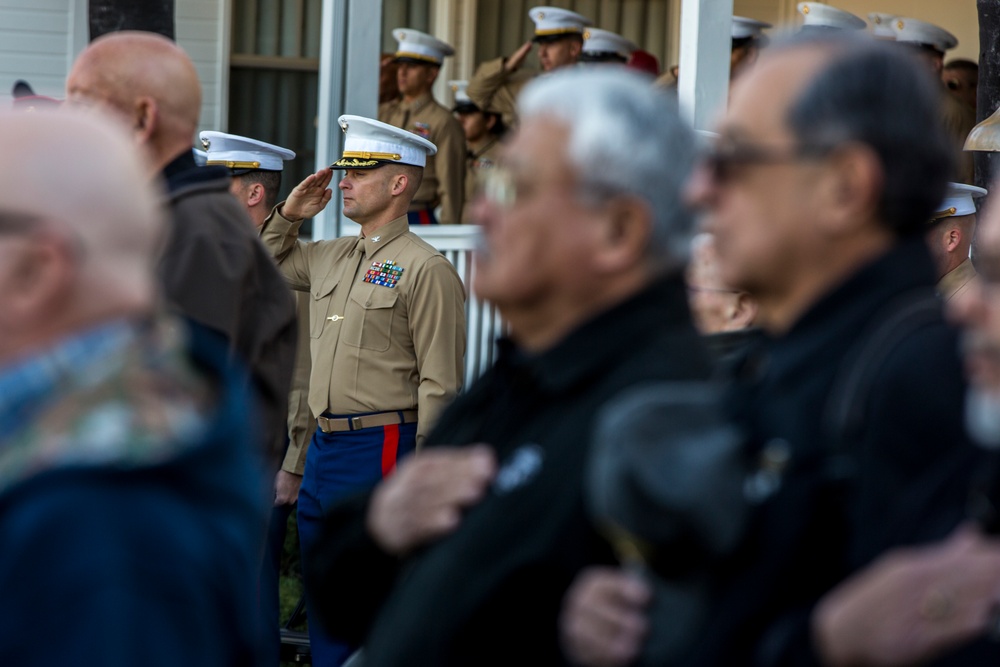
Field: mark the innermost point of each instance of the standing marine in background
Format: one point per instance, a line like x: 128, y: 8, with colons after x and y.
x: 419, y: 59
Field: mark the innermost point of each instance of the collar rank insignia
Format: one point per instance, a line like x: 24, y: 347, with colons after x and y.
x: 385, y: 273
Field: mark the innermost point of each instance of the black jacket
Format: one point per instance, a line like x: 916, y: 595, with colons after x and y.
x: 490, y: 593
x: 903, y: 478
x: 215, y: 272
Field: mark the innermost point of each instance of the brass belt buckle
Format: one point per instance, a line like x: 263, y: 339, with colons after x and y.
x: 355, y: 423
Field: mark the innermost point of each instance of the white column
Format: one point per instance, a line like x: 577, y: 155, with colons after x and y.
x: 348, y: 83
x: 704, y: 59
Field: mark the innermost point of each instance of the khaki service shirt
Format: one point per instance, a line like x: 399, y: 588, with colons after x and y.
x: 956, y: 281
x: 444, y: 174
x: 377, y: 347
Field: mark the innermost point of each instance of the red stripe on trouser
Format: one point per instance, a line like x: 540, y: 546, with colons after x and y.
x: 425, y: 217
x: 390, y: 447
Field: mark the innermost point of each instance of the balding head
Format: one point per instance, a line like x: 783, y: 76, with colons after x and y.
x: 79, y: 228
x: 148, y: 82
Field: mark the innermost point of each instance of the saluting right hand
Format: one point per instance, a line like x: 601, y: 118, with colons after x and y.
x: 513, y: 63
x: 309, y: 197
x: 425, y: 496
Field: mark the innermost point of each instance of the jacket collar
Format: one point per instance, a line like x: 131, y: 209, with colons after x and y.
x: 600, y: 343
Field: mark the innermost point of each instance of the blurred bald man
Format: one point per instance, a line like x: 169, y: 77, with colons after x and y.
x: 130, y: 505
x: 213, y: 269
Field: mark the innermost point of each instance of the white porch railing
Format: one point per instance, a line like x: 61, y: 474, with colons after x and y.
x: 482, y: 321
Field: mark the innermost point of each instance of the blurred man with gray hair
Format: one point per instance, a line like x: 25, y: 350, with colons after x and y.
x: 585, y: 238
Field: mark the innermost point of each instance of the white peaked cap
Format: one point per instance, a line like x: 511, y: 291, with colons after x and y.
x: 744, y: 27
x: 914, y: 31
x: 818, y: 15
x: 369, y: 143
x: 882, y: 25
x: 420, y: 47
x: 596, y: 40
x: 959, y: 201
x: 236, y: 152
x: 459, y: 88
x: 551, y: 21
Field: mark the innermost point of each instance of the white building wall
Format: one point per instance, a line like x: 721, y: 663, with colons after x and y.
x: 39, y: 39
x: 35, y: 42
x: 202, y: 29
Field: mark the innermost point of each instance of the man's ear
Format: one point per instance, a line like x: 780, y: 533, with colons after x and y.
x: 398, y: 184
x: 41, y: 276
x: 953, y: 238
x: 625, y: 234
x: 576, y: 48
x: 146, y: 115
x: 852, y: 187
x: 255, y: 195
x: 434, y: 73
x: 744, y: 311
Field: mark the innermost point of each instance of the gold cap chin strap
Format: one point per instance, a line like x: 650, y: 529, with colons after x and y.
x: 233, y: 164
x: 365, y: 155
x: 947, y: 213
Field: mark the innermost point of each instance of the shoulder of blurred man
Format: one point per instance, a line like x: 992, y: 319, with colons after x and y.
x: 212, y: 242
x: 861, y: 467
x: 132, y: 507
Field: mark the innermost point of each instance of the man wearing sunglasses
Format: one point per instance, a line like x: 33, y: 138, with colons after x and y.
x: 830, y: 160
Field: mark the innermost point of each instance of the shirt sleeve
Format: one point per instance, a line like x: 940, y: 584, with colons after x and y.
x: 437, y: 328
x: 281, y: 238
x: 301, y: 423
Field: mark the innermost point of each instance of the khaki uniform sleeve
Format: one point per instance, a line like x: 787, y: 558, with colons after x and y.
x: 301, y: 423
x: 450, y: 167
x: 493, y: 88
x: 437, y: 328
x: 281, y: 238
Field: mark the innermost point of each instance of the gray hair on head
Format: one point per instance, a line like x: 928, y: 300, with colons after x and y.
x: 625, y: 137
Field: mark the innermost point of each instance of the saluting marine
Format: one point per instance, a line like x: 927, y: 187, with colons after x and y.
x: 387, y: 331
x: 559, y: 36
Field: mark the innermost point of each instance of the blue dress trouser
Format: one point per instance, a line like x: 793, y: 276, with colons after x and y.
x: 338, y: 465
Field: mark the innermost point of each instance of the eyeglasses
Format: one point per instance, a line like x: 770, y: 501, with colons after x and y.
x: 724, y: 160
x: 503, y: 188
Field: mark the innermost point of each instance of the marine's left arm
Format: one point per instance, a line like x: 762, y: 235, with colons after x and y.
x: 437, y: 327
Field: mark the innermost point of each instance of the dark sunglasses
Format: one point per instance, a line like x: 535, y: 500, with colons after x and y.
x: 724, y: 160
